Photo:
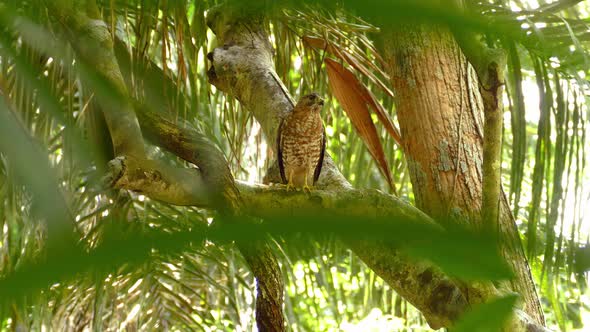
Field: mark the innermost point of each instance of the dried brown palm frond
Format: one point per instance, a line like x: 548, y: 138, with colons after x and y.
x: 356, y: 100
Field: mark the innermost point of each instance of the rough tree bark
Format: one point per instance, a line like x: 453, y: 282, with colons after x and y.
x: 440, y: 110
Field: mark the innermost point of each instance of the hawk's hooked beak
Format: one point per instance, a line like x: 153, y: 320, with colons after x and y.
x: 321, y: 101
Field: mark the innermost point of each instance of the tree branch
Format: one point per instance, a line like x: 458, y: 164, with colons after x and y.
x: 489, y: 64
x: 196, y: 148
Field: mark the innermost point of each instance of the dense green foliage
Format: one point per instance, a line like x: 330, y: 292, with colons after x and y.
x: 148, y: 265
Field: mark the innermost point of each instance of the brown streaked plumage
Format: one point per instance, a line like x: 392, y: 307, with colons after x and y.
x: 301, y: 143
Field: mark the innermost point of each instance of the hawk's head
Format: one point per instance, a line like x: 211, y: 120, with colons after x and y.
x: 311, y: 102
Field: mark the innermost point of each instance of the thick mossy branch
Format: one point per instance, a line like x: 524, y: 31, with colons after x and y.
x: 196, y: 148
x: 178, y: 186
x: 275, y: 202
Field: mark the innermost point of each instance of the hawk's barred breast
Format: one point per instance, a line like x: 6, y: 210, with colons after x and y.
x: 301, y: 142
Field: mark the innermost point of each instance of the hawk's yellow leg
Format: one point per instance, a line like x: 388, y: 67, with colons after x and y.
x: 306, y: 187
x: 290, y: 182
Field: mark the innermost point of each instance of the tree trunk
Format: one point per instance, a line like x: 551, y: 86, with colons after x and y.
x: 440, y: 114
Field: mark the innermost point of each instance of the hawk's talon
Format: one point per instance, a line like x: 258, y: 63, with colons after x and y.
x: 280, y: 186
